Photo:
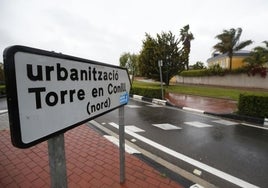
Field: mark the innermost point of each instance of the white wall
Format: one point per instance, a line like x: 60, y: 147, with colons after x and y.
x: 238, y: 80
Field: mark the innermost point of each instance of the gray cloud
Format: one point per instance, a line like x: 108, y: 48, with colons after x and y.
x: 102, y: 30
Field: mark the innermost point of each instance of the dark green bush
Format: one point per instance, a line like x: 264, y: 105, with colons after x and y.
x: 147, y: 92
x: 2, y: 90
x: 251, y: 105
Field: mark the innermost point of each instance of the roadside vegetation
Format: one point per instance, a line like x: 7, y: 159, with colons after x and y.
x: 2, y: 89
x: 202, y: 90
x: 167, y: 55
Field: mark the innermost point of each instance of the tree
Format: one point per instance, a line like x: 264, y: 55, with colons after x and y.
x: 129, y: 61
x: 258, y: 56
x: 164, y: 47
x: 198, y: 65
x: 229, y: 43
x: 148, y: 59
x: 186, y: 38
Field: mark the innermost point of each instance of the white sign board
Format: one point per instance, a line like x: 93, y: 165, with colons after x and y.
x: 49, y: 93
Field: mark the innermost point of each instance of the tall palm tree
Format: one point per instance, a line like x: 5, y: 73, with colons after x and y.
x: 258, y: 56
x: 229, y: 42
x: 186, y: 38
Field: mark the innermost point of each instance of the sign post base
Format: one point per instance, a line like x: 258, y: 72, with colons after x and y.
x: 57, y: 162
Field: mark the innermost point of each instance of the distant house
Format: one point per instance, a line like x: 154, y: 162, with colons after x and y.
x: 223, y: 60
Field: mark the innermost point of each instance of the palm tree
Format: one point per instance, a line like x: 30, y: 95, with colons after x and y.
x: 258, y: 56
x: 186, y: 38
x: 229, y: 42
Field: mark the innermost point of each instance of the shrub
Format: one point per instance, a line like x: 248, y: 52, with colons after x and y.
x: 147, y: 92
x: 2, y: 89
x: 238, y: 70
x: 257, y: 70
x: 215, y: 70
x: 193, y: 73
x: 251, y: 105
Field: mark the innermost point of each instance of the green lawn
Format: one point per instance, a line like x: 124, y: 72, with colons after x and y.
x: 201, y: 90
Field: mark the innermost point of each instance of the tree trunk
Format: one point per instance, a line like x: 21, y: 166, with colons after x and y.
x: 231, y: 62
x: 133, y: 75
x: 167, y: 80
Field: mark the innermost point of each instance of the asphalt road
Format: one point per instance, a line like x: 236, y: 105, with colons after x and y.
x: 222, y: 152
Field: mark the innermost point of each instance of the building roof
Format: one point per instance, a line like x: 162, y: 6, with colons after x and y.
x: 240, y: 53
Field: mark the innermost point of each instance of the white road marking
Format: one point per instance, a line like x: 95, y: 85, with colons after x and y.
x: 133, y: 106
x: 255, y: 126
x: 197, y: 124
x: 155, y: 105
x: 225, y: 122
x: 3, y: 111
x: 265, y: 121
x: 189, y: 160
x: 115, y: 141
x: 137, y: 97
x: 196, y: 186
x: 193, y: 110
x: 166, y: 126
x: 134, y: 128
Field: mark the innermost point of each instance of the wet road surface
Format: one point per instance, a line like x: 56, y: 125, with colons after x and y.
x: 223, y: 151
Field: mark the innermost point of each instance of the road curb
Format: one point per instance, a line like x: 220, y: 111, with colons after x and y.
x: 147, y: 99
x: 262, y: 122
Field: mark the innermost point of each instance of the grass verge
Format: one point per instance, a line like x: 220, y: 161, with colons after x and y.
x: 206, y: 91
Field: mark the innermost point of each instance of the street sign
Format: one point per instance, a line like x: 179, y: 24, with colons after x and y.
x: 49, y: 93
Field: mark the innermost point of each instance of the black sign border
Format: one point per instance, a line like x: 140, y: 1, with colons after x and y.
x: 12, y: 97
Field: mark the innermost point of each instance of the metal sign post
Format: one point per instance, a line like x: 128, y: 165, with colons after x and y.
x: 122, y: 143
x: 57, y: 162
x: 160, y: 64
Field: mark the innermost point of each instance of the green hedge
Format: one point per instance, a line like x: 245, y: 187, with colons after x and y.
x: 251, y: 105
x: 215, y: 70
x: 193, y: 73
x: 147, y: 92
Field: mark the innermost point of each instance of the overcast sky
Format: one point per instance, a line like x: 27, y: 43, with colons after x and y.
x: 102, y: 30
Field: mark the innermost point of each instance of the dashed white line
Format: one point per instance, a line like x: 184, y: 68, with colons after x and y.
x: 166, y: 126
x: 225, y: 122
x: 197, y: 124
x: 133, y: 128
x: 115, y: 141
